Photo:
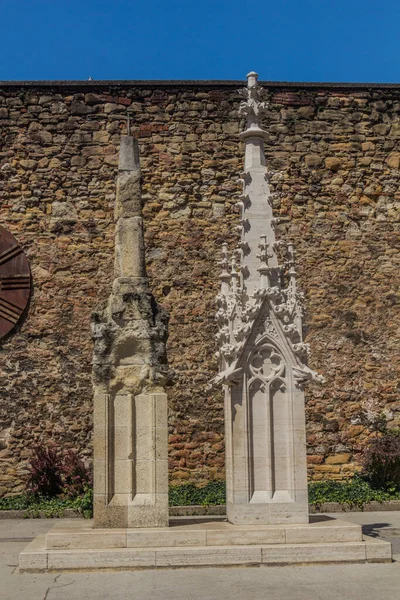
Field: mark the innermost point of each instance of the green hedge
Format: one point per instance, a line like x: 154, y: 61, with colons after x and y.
x: 187, y: 494
x: 49, y: 507
x: 353, y: 494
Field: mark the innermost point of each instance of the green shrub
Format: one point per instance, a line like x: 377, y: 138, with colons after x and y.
x: 84, y: 503
x: 187, y: 494
x: 14, y: 503
x: 352, y: 493
x: 50, y: 507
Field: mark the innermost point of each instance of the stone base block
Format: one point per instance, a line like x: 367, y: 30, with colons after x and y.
x: 274, y: 513
x: 154, y: 514
x: 72, y: 545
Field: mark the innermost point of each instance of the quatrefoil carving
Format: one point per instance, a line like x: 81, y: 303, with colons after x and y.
x: 266, y: 363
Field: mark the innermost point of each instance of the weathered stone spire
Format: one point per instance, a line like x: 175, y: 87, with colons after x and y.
x: 261, y: 351
x: 129, y: 373
x: 129, y: 243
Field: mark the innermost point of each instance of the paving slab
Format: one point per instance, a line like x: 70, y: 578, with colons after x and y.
x: 384, y: 525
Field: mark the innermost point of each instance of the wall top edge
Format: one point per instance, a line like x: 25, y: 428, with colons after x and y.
x: 162, y: 83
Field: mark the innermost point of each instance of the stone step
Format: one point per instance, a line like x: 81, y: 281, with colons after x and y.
x: 37, y: 558
x: 201, y: 534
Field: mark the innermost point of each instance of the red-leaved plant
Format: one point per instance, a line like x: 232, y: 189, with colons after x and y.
x: 76, y: 476
x: 45, y: 470
x: 54, y: 473
x: 381, y: 461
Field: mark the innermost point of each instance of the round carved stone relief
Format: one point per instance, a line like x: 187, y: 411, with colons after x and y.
x: 15, y: 281
x: 266, y: 363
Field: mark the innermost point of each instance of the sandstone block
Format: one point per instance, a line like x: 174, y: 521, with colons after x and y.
x: 355, y: 430
x: 338, y: 459
x: 332, y: 163
x: 313, y: 160
x: 80, y: 108
x: 393, y: 160
x: 28, y: 164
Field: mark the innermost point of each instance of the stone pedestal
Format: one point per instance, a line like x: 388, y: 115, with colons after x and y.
x: 131, y: 464
x: 191, y: 543
x: 266, y: 454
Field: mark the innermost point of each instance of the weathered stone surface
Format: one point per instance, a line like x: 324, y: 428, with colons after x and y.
x: 332, y: 163
x: 348, y: 254
x: 130, y: 370
x: 338, y: 459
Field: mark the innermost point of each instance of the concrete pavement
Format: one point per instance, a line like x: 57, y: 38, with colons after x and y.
x: 333, y: 582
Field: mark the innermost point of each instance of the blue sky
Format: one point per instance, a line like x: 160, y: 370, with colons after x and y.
x: 284, y: 40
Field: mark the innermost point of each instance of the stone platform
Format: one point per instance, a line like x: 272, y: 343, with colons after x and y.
x: 198, y: 542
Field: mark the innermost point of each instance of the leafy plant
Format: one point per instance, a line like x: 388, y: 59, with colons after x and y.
x: 37, y: 506
x: 352, y: 493
x: 84, y: 503
x: 14, y: 502
x: 187, y: 494
x: 381, y: 461
x: 55, y: 474
x: 45, y: 472
x: 49, y: 507
x: 75, y: 475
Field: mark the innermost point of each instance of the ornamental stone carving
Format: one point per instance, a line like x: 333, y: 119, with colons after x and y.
x: 262, y: 355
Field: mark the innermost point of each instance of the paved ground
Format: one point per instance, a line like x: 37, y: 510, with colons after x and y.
x: 334, y: 582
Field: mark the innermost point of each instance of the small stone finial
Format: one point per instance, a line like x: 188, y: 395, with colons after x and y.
x: 252, y: 78
x: 263, y: 245
x: 291, y: 263
x: 224, y: 257
x: 252, y: 108
x: 225, y: 276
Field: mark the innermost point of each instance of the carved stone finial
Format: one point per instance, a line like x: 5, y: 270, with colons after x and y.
x: 252, y: 107
x: 225, y: 276
x: 252, y: 78
x: 224, y: 262
x: 291, y: 262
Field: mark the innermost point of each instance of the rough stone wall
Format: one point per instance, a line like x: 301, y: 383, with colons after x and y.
x: 336, y: 153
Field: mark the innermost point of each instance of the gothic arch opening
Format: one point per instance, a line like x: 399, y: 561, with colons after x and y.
x: 268, y: 424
